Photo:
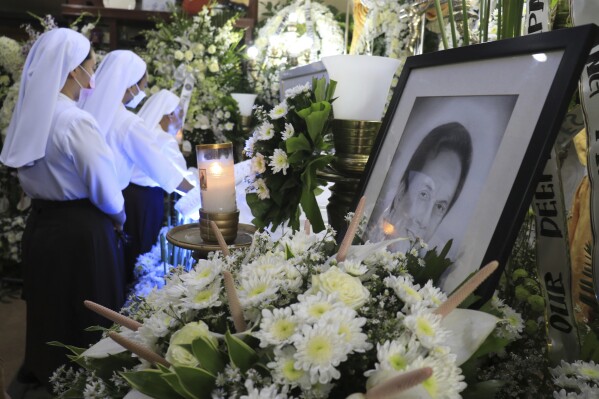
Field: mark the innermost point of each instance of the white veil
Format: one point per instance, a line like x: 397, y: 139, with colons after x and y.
x: 54, y: 54
x: 162, y: 103
x: 119, y: 70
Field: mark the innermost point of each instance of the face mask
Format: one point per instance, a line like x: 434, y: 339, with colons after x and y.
x: 85, y: 92
x: 134, y: 102
x: 172, y: 130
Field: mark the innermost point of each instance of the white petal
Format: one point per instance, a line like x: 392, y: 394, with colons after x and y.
x: 136, y: 395
x: 357, y: 253
x: 418, y: 392
x: 103, y: 348
x: 469, y: 329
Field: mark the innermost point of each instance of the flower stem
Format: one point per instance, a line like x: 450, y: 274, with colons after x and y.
x: 441, y: 24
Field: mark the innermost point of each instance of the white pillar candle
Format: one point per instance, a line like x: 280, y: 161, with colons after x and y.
x: 217, y: 177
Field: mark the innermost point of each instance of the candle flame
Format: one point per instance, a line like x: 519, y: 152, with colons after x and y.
x: 388, y: 228
x: 215, y: 169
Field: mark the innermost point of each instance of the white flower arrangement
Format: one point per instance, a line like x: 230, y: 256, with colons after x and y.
x: 209, y: 54
x: 298, y: 34
x: 578, y: 380
x: 314, y: 330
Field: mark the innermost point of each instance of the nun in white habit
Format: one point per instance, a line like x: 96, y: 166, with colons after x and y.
x: 121, y: 79
x: 144, y: 198
x: 69, y: 246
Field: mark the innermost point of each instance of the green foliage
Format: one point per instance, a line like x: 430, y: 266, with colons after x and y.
x: 241, y: 354
x: 279, y: 194
x: 151, y: 383
x: 436, y: 264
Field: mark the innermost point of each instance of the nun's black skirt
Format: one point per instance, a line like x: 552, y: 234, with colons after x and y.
x: 70, y: 254
x: 144, y: 207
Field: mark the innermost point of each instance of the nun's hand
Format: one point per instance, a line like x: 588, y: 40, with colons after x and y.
x: 118, y: 220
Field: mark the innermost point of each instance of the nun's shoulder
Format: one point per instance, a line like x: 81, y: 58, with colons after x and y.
x: 78, y: 120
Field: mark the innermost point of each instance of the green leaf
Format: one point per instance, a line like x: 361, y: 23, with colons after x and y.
x: 492, y: 344
x: 208, y: 355
x: 316, y: 116
x: 298, y: 143
x: 590, y: 347
x: 310, y: 207
x: 74, y: 349
x: 331, y: 90
x: 320, y: 88
x: 151, y: 383
x: 435, y: 265
x: 174, y: 382
x: 198, y: 382
x: 241, y: 355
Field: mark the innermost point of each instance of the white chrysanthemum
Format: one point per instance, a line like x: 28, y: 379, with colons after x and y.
x: 266, y: 131
x: 404, y: 289
x: 288, y: 132
x: 320, y: 351
x: 298, y: 244
x: 349, y: 327
x: 447, y: 379
x: 352, y: 268
x: 588, y: 371
x: 311, y: 308
x: 278, y: 161
x: 269, y: 263
x: 398, y: 354
x: 268, y: 392
x: 174, y: 291
x: 432, y: 296
x: 427, y: 327
x: 284, y: 371
x: 202, y: 298
x: 279, y: 111
x: 294, y: 91
x: 511, y: 325
x: 257, y: 290
x: 276, y: 327
x: 384, y: 258
x: 258, y: 163
x: 261, y: 189
x: 154, y: 327
x: 203, y: 274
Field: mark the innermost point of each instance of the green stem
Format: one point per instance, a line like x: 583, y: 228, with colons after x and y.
x: 454, y: 39
x: 465, y: 23
x: 487, y: 16
x: 481, y: 19
x: 441, y: 24
x: 499, y: 17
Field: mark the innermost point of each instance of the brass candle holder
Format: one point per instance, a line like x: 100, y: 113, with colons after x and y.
x: 227, y: 223
x: 353, y: 143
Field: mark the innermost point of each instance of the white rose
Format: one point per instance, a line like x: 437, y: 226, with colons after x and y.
x: 211, y: 49
x: 349, y: 289
x: 213, y: 67
x: 179, y: 356
x: 179, y: 55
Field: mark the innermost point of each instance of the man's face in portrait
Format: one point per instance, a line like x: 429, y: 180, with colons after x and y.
x: 420, y: 209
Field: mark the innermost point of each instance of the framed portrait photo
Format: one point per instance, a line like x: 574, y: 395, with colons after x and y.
x: 464, y: 139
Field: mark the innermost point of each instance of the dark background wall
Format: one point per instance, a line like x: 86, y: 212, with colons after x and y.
x: 13, y: 13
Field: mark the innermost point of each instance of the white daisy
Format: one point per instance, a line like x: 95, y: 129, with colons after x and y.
x: 349, y: 327
x: 404, y: 289
x: 279, y: 111
x: 431, y: 295
x: 278, y: 161
x: 511, y: 324
x: 276, y: 327
x: 257, y: 290
x: 312, y: 307
x: 398, y: 354
x: 266, y: 131
x: 203, y: 274
x: 588, y: 371
x: 320, y: 351
x: 352, y: 268
x: 261, y: 189
x: 249, y: 146
x: 447, y: 379
x: 268, y: 392
x: 202, y: 298
x: 258, y: 164
x: 427, y: 327
x: 294, y: 91
x: 288, y: 132
x: 284, y: 371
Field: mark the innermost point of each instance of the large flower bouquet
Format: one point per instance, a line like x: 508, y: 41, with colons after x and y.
x: 198, y: 50
x: 287, y: 149
x: 294, y: 321
x: 300, y: 33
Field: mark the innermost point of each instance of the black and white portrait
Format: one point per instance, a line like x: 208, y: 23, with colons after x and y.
x: 439, y: 169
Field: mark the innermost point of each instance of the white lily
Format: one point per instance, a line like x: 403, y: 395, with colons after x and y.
x: 468, y: 330
x: 357, y: 253
x: 133, y: 394
x: 102, y: 349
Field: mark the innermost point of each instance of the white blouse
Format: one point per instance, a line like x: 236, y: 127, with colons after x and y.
x: 170, y: 149
x: 78, y: 164
x: 134, y: 144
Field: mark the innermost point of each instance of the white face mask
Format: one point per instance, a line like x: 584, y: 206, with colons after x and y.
x: 85, y: 92
x: 134, y: 102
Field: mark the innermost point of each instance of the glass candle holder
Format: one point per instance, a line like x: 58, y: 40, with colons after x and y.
x: 217, y: 177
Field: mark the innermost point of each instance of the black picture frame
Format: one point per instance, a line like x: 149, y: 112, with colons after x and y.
x: 567, y: 49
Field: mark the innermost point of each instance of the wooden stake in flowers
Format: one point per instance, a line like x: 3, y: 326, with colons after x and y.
x: 351, y: 231
x: 234, y: 304
x: 113, y: 316
x: 307, y: 227
x: 398, y: 384
x: 466, y: 289
x: 220, y: 238
x: 138, y: 349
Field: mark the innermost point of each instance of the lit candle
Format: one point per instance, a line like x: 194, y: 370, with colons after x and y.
x: 217, y: 177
